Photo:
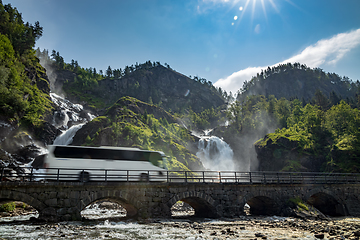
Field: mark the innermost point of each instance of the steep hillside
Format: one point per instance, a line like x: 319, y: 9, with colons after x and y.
x: 133, y: 123
x: 152, y: 83
x: 25, y: 104
x: 298, y: 81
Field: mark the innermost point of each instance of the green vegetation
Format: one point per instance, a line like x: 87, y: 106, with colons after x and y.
x: 145, y: 82
x: 299, y: 203
x: 8, y: 207
x: 209, y: 118
x: 130, y: 122
x: 23, y: 84
x: 329, y: 134
x: 299, y: 81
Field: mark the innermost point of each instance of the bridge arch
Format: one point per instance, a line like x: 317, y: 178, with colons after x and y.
x: 10, y: 195
x: 112, y: 196
x: 327, y: 202
x: 261, y: 204
x: 202, y: 203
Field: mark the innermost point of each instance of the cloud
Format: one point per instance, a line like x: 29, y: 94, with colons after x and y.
x: 324, y: 52
x: 235, y: 81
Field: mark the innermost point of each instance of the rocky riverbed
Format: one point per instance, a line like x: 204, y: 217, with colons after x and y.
x: 106, y: 220
x: 247, y: 227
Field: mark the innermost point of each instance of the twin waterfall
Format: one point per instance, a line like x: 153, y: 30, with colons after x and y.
x: 214, y: 153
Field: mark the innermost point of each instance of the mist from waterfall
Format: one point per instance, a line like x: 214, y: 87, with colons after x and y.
x: 215, y: 154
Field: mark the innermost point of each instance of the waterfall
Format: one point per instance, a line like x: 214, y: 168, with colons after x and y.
x: 66, y: 137
x: 215, y: 154
x: 69, y: 114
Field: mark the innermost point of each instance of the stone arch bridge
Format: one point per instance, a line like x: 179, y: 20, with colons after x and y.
x: 63, y: 201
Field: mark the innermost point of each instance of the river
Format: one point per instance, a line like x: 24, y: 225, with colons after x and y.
x: 244, y: 227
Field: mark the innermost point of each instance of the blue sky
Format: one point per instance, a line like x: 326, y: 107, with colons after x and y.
x: 224, y: 41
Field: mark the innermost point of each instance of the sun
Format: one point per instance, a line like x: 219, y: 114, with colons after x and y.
x: 253, y: 4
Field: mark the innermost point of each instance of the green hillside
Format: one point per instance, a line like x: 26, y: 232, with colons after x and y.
x: 298, y: 81
x: 132, y: 123
x: 24, y: 86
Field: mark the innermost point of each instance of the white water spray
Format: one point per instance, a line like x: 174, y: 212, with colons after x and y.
x: 67, y: 136
x: 215, y: 154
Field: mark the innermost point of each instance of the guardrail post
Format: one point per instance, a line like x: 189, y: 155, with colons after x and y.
x: 185, y: 176
x: 325, y: 178
x: 235, y: 178
x: 127, y: 175
x: 250, y: 177
x: 203, y: 173
x: 219, y: 176
x: 264, y: 178
x: 167, y: 176
x: 31, y: 174
x: 58, y: 175
x: 106, y: 175
x: 302, y: 177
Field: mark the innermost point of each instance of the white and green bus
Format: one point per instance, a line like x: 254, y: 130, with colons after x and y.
x: 70, y: 163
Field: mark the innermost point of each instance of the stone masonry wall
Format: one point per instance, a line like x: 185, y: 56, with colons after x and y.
x: 65, y: 201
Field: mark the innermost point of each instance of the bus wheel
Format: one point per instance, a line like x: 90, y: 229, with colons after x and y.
x: 84, y: 177
x: 144, y: 177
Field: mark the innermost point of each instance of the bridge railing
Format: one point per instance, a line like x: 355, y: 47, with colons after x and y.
x: 112, y: 175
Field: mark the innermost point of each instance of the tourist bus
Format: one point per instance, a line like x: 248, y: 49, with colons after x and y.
x: 103, y: 164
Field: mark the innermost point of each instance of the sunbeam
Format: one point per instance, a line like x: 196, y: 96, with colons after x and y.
x: 264, y: 9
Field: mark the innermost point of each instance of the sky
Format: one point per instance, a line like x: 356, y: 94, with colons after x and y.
x: 223, y: 41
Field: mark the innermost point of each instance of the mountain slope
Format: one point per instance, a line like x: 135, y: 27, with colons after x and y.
x: 150, y: 83
x: 133, y: 123
x: 297, y: 80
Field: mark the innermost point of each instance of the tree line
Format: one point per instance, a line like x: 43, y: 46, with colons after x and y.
x: 21, y: 100
x: 328, y: 131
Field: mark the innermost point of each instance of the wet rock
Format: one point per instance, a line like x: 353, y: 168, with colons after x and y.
x: 319, y: 236
x: 109, y: 205
x: 260, y: 235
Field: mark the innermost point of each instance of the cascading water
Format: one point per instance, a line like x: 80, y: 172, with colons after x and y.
x: 69, y: 114
x: 66, y: 137
x: 215, y: 154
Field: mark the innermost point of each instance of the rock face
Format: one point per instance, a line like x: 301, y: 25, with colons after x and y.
x: 283, y: 155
